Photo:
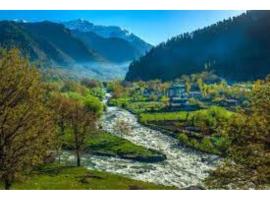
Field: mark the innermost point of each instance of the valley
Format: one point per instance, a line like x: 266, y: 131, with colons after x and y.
x: 87, y: 106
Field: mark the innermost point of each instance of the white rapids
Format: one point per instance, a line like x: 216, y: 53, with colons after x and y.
x: 183, y: 167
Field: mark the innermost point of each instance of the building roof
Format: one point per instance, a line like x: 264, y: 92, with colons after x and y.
x: 177, y: 86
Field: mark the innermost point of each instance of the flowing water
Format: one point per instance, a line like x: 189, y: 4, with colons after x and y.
x: 183, y: 167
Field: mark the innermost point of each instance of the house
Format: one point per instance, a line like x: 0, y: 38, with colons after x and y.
x: 148, y: 92
x: 229, y: 102
x: 177, y: 95
x: 195, y: 94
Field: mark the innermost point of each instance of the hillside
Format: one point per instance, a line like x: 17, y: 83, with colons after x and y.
x: 237, y: 49
x: 46, y: 42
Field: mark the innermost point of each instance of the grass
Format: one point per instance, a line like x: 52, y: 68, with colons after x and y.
x: 137, y: 106
x: 53, y: 177
x: 148, y: 106
x: 212, y: 111
x: 163, y: 116
x: 107, y: 144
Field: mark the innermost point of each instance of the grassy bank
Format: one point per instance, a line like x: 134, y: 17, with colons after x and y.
x: 137, y: 107
x: 110, y: 145
x: 196, y: 129
x: 210, y: 114
x: 76, y: 178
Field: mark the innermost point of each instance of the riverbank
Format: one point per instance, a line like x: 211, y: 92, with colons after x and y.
x: 78, y: 178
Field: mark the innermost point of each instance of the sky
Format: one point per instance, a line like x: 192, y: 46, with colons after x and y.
x: 153, y: 26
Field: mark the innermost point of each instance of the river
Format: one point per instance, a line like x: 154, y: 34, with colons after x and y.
x: 183, y: 167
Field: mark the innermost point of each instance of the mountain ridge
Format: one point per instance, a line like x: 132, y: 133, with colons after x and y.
x: 237, y: 49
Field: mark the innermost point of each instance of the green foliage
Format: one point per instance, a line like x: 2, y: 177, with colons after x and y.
x: 116, y: 88
x: 210, y: 144
x: 93, y: 104
x: 120, y: 102
x: 27, y: 123
x: 207, y: 145
x: 149, y: 106
x: 210, y: 118
x: 97, y: 92
x: 73, y: 86
x: 205, y: 117
x: 183, y: 138
x: 249, y: 133
x: 55, y: 177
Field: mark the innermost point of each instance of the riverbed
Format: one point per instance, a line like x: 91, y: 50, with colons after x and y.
x: 183, y: 167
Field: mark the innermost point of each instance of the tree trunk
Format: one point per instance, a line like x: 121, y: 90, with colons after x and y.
x: 78, y: 158
x: 59, y: 156
x: 77, y: 146
x: 7, y: 184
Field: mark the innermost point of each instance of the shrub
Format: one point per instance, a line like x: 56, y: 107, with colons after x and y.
x: 207, y: 145
x: 183, y: 138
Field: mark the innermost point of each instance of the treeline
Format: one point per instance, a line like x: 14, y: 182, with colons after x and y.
x: 34, y: 115
x: 236, y: 49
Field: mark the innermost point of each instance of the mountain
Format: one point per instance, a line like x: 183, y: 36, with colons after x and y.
x: 237, y: 49
x: 112, y: 35
x: 48, y: 42
x: 115, y: 50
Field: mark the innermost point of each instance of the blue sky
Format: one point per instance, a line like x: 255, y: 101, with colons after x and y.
x: 153, y: 26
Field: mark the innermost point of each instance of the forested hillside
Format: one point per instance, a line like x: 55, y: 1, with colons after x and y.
x: 237, y: 49
x: 46, y: 42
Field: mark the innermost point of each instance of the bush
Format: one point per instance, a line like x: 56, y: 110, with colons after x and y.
x: 194, y: 143
x: 207, y: 145
x: 222, y: 143
x: 183, y: 138
x: 93, y: 104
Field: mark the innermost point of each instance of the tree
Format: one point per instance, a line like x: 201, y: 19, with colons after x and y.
x: 187, y: 86
x: 202, y: 86
x: 26, y: 124
x: 116, y: 88
x: 122, y: 127
x: 81, y: 119
x: 60, y: 106
x: 90, y: 83
x: 249, y: 133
